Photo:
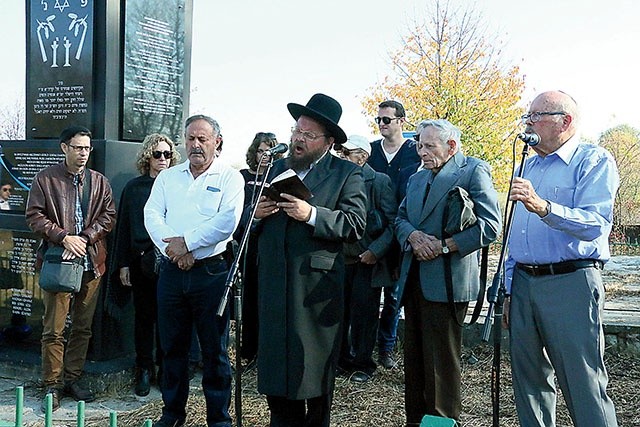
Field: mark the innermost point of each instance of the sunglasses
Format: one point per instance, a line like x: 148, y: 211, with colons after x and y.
x: 386, y: 120
x: 157, y: 154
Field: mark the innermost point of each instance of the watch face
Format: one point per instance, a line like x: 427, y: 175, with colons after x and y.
x: 445, y: 249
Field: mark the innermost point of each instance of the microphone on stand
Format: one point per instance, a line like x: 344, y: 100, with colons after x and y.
x: 530, y: 138
x: 278, y: 149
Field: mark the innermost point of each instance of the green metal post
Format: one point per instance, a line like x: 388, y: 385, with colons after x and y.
x: 19, y: 405
x: 49, y: 410
x: 80, y: 413
x: 113, y: 419
x: 148, y: 423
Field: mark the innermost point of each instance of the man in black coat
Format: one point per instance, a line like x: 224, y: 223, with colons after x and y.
x: 301, y: 268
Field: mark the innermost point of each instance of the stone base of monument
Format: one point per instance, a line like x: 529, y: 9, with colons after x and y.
x: 104, y: 377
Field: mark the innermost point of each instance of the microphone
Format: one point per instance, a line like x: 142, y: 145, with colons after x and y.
x: 278, y: 149
x: 530, y: 138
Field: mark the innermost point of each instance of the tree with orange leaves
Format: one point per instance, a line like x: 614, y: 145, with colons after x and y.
x: 448, y: 69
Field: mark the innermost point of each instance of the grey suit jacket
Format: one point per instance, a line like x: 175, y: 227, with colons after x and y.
x: 474, y: 176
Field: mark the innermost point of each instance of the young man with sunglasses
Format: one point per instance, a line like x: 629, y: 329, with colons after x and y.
x: 390, y: 155
x: 57, y: 211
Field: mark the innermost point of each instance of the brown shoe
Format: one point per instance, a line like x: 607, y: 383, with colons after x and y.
x: 55, y: 399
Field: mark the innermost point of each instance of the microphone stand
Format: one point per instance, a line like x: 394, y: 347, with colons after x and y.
x: 234, y: 281
x: 495, y: 297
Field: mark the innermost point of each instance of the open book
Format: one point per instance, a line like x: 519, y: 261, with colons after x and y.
x: 287, y: 182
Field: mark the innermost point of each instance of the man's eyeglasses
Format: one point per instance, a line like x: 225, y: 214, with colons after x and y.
x: 157, y: 154
x: 535, y: 116
x: 307, y: 136
x: 80, y: 148
x: 386, y: 120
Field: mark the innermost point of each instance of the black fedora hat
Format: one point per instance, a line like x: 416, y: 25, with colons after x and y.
x: 325, y: 110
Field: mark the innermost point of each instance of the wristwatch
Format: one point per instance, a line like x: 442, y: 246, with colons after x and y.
x: 445, y: 248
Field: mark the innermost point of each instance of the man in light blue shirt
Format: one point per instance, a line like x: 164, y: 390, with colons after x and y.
x: 557, y: 247
x: 191, y: 214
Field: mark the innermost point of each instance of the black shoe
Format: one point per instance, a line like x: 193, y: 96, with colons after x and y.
x: 55, y: 401
x: 386, y: 360
x: 143, y: 382
x: 166, y: 422
x: 359, y: 377
x: 76, y: 391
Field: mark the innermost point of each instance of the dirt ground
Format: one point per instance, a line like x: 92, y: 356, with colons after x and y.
x: 380, y: 401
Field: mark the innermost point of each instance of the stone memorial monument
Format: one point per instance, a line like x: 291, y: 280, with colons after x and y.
x: 120, y: 68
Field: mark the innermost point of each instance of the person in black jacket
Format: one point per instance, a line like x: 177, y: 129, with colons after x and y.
x: 366, y: 270
x: 257, y: 163
x: 390, y: 155
x: 135, y: 255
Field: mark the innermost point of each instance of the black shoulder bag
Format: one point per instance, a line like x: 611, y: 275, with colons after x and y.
x: 459, y: 215
x: 60, y: 275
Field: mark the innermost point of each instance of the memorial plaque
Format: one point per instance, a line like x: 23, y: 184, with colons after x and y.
x: 153, y: 68
x: 18, y: 166
x: 18, y: 278
x: 60, y: 66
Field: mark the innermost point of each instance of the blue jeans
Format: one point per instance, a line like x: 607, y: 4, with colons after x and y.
x: 187, y: 298
x: 388, y: 329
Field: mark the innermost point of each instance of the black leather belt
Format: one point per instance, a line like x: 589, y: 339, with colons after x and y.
x: 209, y: 260
x: 563, y: 267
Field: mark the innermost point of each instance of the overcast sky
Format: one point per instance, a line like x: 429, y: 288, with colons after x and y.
x: 250, y: 58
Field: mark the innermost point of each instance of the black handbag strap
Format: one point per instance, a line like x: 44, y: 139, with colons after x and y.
x: 484, y: 261
x: 483, y: 287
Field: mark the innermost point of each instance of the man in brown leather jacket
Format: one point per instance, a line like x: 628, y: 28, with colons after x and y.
x: 54, y: 210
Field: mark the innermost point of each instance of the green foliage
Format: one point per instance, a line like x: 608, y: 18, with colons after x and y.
x: 623, y: 142
x: 447, y: 68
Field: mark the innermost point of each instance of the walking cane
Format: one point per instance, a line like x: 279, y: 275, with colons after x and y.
x: 496, y: 294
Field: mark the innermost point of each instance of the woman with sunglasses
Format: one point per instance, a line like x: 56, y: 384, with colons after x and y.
x: 257, y: 162
x: 135, y: 255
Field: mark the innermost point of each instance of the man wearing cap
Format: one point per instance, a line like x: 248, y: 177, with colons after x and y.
x: 301, y: 268
x: 72, y: 206
x: 366, y: 268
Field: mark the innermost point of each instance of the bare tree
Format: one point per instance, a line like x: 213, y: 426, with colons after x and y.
x: 12, y: 124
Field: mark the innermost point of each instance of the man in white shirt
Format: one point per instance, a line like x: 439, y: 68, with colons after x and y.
x: 191, y: 214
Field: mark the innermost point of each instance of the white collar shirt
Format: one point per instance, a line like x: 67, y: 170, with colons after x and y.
x: 205, y: 210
